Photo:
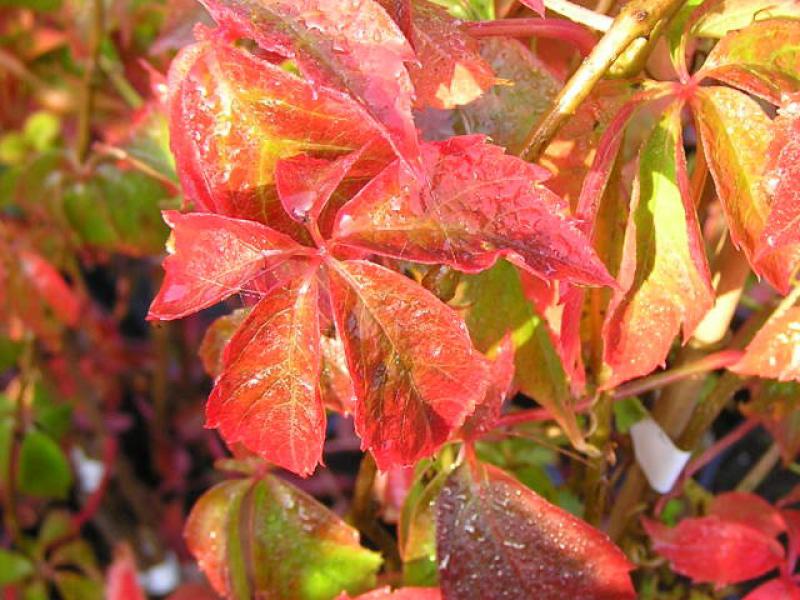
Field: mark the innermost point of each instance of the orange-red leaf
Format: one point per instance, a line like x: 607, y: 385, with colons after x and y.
x: 353, y: 46
x: 480, y: 204
x: 735, y: 133
x: 449, y: 71
x: 233, y: 116
x: 501, y: 376
x: 710, y: 550
x: 748, y: 509
x: 663, y: 275
x: 267, y: 394
x: 121, y: 579
x: 213, y: 257
x: 50, y: 285
x: 776, y: 406
x: 415, y: 373
x: 407, y: 593
x: 776, y: 589
x: 782, y: 180
x: 497, y: 539
x: 774, y: 352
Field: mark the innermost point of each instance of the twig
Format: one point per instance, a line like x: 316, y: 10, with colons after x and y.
x: 87, y: 87
x: 760, y: 470
x: 636, y: 20
x: 579, y: 14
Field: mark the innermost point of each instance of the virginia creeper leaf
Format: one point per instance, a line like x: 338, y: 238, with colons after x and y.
x: 781, y: 180
x: 497, y: 304
x: 748, y: 509
x: 480, y: 204
x: 735, y: 133
x: 774, y: 352
x: 336, y: 386
x: 763, y: 59
x: 498, y: 539
x: 354, y: 46
x: 14, y: 567
x: 415, y: 373
x: 50, y: 285
x: 121, y: 578
x: 233, y: 116
x: 39, y: 454
x: 525, y: 89
x: 536, y: 6
x: 267, y: 394
x: 216, y: 337
x: 664, y: 278
x: 720, y: 17
x: 708, y: 549
x: 305, y: 184
x: 213, y: 257
x: 449, y: 71
x: 501, y: 376
x: 416, y: 531
x: 777, y: 407
x: 776, y: 589
x: 264, y: 537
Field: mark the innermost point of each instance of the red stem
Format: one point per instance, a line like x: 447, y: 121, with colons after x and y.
x: 559, y: 29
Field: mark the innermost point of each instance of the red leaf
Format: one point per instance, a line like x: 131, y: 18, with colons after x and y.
x: 774, y: 352
x: 121, y: 580
x: 664, y: 277
x: 216, y: 337
x: 233, y: 116
x: 776, y: 406
x: 776, y: 589
x: 193, y: 591
x: 501, y: 376
x: 415, y: 373
x: 481, y: 204
x: 708, y: 549
x: 305, y: 184
x: 449, y: 71
x: 267, y: 395
x: 50, y: 285
x: 748, y: 509
x: 408, y: 593
x: 782, y: 181
x: 735, y: 133
x: 212, y: 258
x: 497, y: 539
x: 354, y: 46
x: 336, y: 386
x: 536, y: 6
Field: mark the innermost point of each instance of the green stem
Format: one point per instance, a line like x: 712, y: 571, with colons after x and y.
x: 635, y: 21
x: 760, y: 470
x: 596, y: 483
x: 86, y: 107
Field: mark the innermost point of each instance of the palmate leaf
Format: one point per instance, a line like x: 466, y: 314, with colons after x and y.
x: 735, y: 133
x: 415, y: 373
x: 763, y: 59
x: 212, y: 258
x: 781, y: 588
x: 353, y: 46
x: 715, y: 19
x: 664, y: 272
x: 407, y: 593
x: 498, y: 539
x: 710, y: 549
x: 267, y: 395
x: 233, y: 116
x: 782, y: 181
x: 449, y: 70
x: 265, y: 538
x: 774, y: 352
x: 480, y: 204
x: 748, y: 509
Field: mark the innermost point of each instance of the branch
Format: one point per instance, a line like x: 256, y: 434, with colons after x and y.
x: 535, y: 27
x: 636, y: 21
x: 87, y: 87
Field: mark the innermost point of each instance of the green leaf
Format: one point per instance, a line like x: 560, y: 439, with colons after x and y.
x: 497, y: 305
x: 42, y: 5
x: 44, y: 470
x: 664, y: 270
x: 269, y: 538
x: 676, y: 34
x: 41, y: 129
x: 728, y: 15
x: 14, y: 567
x: 628, y: 412
x: 53, y: 418
x: 525, y: 89
x: 73, y: 586
x: 118, y: 210
x: 469, y: 10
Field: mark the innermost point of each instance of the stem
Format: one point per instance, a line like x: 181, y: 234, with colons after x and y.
x: 704, y: 364
x: 87, y: 87
x: 120, y: 154
x: 579, y: 14
x: 760, y: 470
x: 596, y: 482
x: 549, y: 28
x: 636, y: 20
